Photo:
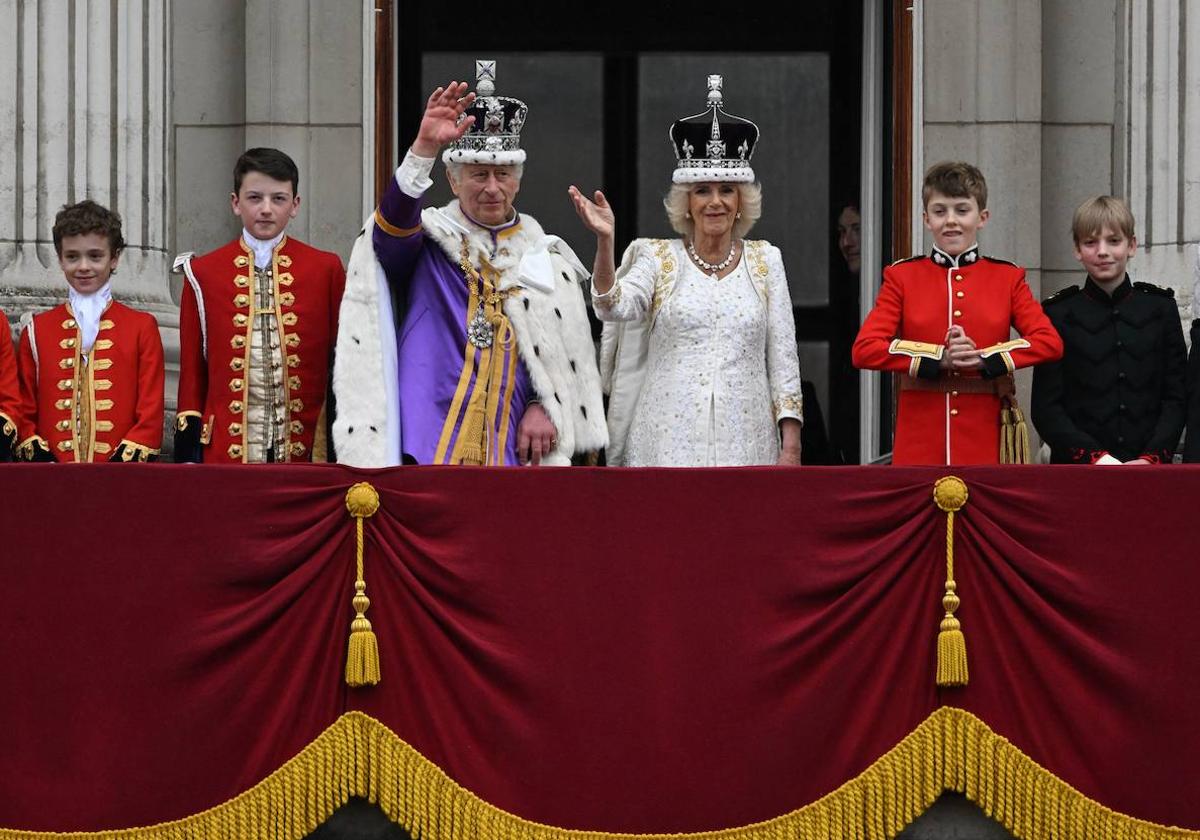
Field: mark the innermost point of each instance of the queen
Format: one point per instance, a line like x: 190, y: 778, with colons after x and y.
x: 698, y: 354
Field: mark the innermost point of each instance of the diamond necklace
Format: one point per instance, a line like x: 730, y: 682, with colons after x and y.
x: 713, y: 267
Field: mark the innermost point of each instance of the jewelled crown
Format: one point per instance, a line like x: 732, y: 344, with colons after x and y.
x: 495, y: 136
x: 713, y: 145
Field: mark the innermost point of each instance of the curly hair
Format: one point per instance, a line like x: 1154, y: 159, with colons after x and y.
x: 88, y: 217
x: 749, y: 205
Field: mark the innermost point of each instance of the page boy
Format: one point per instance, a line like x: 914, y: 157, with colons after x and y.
x: 9, y: 392
x: 1118, y: 395
x: 942, y: 322
x: 257, y: 327
x: 91, y: 369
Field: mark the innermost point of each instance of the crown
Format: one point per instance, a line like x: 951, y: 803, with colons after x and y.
x: 713, y: 145
x: 495, y: 136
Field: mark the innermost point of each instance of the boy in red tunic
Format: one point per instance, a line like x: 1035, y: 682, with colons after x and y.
x: 9, y: 392
x: 91, y: 370
x: 943, y: 323
x: 257, y: 327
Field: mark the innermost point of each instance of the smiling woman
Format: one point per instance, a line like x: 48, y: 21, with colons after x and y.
x: 699, y: 347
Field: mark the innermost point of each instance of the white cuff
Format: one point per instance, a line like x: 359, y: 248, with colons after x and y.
x: 412, y: 176
x: 1107, y: 460
x: 608, y: 299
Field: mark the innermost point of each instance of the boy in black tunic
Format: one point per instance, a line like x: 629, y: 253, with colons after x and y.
x: 1118, y: 394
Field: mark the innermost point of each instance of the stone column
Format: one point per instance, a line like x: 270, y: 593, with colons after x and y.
x: 1162, y: 165
x: 83, y: 114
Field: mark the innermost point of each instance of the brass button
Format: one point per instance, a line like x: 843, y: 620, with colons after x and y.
x: 296, y: 405
x: 958, y: 277
x: 954, y: 412
x: 235, y: 451
x: 957, y: 313
x: 293, y: 361
x: 960, y: 293
x: 237, y: 384
x: 297, y: 427
x: 236, y: 406
x: 241, y: 301
x: 241, y: 281
x: 954, y: 393
x: 241, y: 261
x: 294, y: 383
x: 240, y: 320
x: 237, y: 342
x: 235, y: 429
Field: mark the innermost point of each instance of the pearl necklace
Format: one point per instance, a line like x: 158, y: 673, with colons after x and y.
x: 713, y: 267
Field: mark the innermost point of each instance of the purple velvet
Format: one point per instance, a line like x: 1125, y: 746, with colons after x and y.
x: 433, y: 334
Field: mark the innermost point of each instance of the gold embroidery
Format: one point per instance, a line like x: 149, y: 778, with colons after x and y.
x: 917, y: 349
x: 290, y: 319
x: 106, y: 325
x: 103, y: 344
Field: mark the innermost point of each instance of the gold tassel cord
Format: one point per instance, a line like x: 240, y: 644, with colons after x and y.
x: 362, y: 655
x: 950, y: 494
x: 951, y: 750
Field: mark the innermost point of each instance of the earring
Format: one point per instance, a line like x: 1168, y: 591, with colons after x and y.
x: 687, y: 215
x: 739, y: 215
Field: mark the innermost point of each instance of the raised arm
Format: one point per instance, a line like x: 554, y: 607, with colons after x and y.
x: 397, y: 231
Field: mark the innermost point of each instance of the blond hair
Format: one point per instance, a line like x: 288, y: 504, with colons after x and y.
x: 749, y: 205
x: 1098, y: 213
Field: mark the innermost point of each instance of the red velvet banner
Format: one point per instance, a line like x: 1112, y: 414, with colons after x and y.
x: 619, y: 650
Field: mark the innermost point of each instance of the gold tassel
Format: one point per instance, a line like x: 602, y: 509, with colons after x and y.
x: 950, y: 494
x: 1021, y: 454
x: 362, y: 656
x: 1006, y: 436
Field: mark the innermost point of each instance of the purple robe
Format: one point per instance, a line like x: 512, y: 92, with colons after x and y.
x: 432, y: 338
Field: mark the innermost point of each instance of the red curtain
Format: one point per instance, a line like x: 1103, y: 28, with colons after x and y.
x: 618, y: 650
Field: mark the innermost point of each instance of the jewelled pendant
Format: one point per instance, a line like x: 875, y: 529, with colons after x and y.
x: 479, y: 330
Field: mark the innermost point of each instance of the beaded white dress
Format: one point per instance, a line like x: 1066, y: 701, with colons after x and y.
x: 720, y: 366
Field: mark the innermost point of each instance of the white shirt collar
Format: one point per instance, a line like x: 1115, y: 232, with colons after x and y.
x: 263, y: 250
x: 87, y: 310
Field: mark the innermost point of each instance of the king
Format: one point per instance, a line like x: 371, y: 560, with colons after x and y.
x: 464, y: 335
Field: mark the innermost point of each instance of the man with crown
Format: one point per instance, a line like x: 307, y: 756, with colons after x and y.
x: 489, y: 358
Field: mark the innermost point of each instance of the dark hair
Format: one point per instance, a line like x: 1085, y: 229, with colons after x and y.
x: 270, y: 162
x: 955, y: 179
x: 88, y: 217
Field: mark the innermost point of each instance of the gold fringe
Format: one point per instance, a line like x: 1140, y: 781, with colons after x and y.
x: 950, y: 494
x: 362, y: 654
x: 1006, y: 437
x: 951, y: 750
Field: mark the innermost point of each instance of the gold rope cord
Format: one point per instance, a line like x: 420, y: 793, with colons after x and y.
x: 358, y: 756
x: 362, y: 654
x: 950, y: 494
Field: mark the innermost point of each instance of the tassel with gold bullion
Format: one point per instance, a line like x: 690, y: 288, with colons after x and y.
x: 950, y: 494
x: 362, y: 656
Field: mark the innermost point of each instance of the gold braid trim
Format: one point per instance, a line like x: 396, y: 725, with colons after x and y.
x: 360, y: 757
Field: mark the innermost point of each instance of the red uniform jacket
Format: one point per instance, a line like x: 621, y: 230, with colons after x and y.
x: 10, y: 395
x: 920, y: 300
x: 113, y: 402
x: 214, y: 343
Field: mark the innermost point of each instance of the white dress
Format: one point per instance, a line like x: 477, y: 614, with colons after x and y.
x: 720, y: 367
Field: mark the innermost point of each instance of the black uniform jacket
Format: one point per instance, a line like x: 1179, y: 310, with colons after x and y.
x: 1191, y: 443
x: 1120, y: 387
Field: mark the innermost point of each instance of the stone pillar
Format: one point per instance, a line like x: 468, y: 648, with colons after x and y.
x: 1079, y: 109
x: 83, y: 114
x: 1162, y: 164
